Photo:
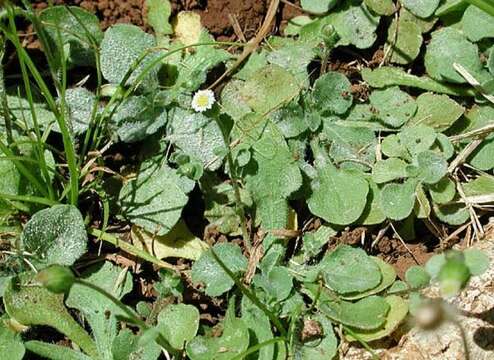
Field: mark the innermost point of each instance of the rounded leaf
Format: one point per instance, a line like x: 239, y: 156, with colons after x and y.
x: 179, y: 323
x: 333, y: 93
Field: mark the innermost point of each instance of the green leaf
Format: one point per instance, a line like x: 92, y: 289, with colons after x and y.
x: 54, y: 352
x: 397, y: 312
x: 483, y: 185
x: 158, y: 15
x: 388, y: 170
x: 112, y: 279
x: 443, y: 191
x: 269, y: 88
x: 454, y: 275
x: 56, y: 235
x: 34, y: 305
x: 122, y: 46
x: 490, y: 63
x: 381, y: 7
x: 355, y: 25
x: 137, y: 118
x: 436, y: 111
x: 434, y: 264
x: 373, y: 213
x: 417, y: 139
x: 319, y: 349
x: 80, y: 103
x: 477, y: 24
x: 417, y: 277
x: 206, y: 270
x: 392, y: 146
x: 388, y: 277
x: 338, y: 196
x: 340, y: 266
x: 453, y: 214
x: 178, y: 243
x: 404, y: 41
x: 476, y: 260
x: 155, y: 198
x: 483, y: 157
x: 422, y: 207
x: 366, y: 314
x: 425, y: 25
x: 129, y: 346
x: 233, y: 341
x: 395, y: 107
x: 397, y: 200
x: 198, y: 136
x: 332, y: 93
x: 313, y: 242
x: 10, y: 343
x: 432, y: 167
x: 272, y: 177
x: 77, y: 27
x: 179, y: 324
x: 447, y: 47
x: 318, y: 6
x: 421, y: 8
x: 277, y: 283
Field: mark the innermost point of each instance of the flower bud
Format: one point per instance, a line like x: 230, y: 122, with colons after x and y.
x: 56, y: 278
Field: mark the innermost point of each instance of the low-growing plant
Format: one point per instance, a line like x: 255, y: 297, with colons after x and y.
x: 285, y: 139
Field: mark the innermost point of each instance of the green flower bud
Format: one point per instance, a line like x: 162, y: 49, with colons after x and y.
x: 56, y: 278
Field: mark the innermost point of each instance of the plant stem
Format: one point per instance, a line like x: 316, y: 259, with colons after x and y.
x: 485, y: 5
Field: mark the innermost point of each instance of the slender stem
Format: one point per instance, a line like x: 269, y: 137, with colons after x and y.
x: 29, y: 198
x: 258, y: 347
x: 485, y: 5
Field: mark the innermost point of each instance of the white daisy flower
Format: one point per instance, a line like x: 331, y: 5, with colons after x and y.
x: 203, y: 100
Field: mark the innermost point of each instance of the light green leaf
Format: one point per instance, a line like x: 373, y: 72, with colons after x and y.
x: 483, y: 185
x: 56, y: 235
x: 338, y: 196
x: 432, y: 166
x: 476, y: 260
x: 397, y: 200
x: 477, y: 24
x: 158, y: 14
x: 392, y: 146
x: 483, y: 157
x: 397, y: 312
x: 54, y: 352
x: 277, y: 283
x: 404, y: 41
x: 80, y: 104
x: 490, y: 63
x: 388, y: 170
x: 417, y: 139
x: 137, y: 118
x: 388, y: 277
x: 178, y: 243
x: 417, y: 277
x: 452, y: 214
x: 340, y: 266
x: 128, y: 346
x: 434, y: 264
x: 318, y: 6
x: 11, y: 345
x: 381, y: 7
x: 122, y: 45
x: 436, y: 111
x: 332, y: 93
x: 421, y: 8
x: 179, y: 324
x: 443, y: 191
x: 313, y: 242
x: 355, y: 25
x: 198, y: 136
x: 206, y: 270
x: 31, y: 305
x: 395, y: 107
x: 319, y: 349
x: 155, y: 198
x: 269, y: 88
x: 425, y: 25
x: 447, y: 47
x: 373, y: 213
x: 422, y: 207
x: 233, y: 341
x: 77, y: 28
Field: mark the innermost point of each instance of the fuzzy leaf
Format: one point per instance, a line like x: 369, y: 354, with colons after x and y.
x: 443, y: 191
x: 432, y: 166
x: 158, y: 14
x: 417, y: 139
x: 355, y: 25
x: 318, y: 6
x: 179, y: 324
x: 206, y: 270
x: 155, y: 198
x: 476, y: 260
x: 388, y: 170
x: 477, y: 24
x: 395, y: 107
x: 277, y: 283
x: 319, y: 349
x: 397, y: 200
x: 453, y: 214
x: 198, y: 136
x: 56, y: 235
x: 447, y: 47
x: 10, y: 343
x: 421, y: 8
x: 417, y: 277
x: 341, y: 265
x: 483, y: 157
x: 436, y: 111
x: 381, y: 7
x: 405, y: 40
x: 332, y: 93
x: 80, y: 103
